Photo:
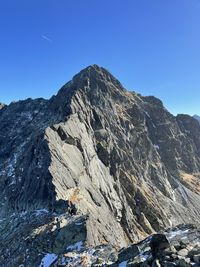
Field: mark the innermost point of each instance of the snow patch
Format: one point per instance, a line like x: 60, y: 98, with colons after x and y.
x: 54, y: 228
x: 27, y: 115
x: 144, y: 256
x: 154, y: 126
x: 40, y: 212
x: 78, y: 223
x: 123, y: 264
x: 48, y: 260
x: 11, y: 166
x: 13, y: 182
x: 147, y: 114
x: 23, y: 213
x: 176, y: 233
x: 77, y: 246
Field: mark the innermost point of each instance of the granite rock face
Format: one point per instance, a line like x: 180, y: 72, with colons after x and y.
x: 128, y: 165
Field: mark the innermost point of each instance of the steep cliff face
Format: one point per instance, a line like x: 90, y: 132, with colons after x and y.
x: 123, y: 159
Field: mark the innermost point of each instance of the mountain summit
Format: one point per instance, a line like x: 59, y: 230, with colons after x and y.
x: 128, y: 166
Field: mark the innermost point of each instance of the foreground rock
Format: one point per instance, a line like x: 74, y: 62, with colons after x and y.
x: 179, y: 246
x: 45, y: 239
x: 27, y: 237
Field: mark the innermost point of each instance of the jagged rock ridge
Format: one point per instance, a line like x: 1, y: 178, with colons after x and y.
x: 128, y: 164
x: 197, y: 118
x: 2, y: 105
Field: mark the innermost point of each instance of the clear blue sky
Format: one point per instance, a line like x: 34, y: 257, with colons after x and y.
x: 151, y: 46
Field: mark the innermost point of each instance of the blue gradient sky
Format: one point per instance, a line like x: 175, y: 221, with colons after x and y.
x: 151, y: 46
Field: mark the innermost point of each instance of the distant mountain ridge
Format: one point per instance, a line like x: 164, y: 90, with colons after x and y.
x: 197, y: 118
x: 128, y: 165
x: 2, y: 105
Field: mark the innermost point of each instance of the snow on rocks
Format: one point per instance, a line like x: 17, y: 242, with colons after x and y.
x: 156, y: 146
x: 176, y: 233
x: 77, y: 246
x: 48, y: 260
x: 123, y: 264
x: 86, y: 256
x: 179, y: 245
x: 40, y: 212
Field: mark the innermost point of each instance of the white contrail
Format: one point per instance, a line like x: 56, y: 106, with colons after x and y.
x: 46, y: 38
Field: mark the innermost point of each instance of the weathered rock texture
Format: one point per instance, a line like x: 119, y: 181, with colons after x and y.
x: 123, y: 159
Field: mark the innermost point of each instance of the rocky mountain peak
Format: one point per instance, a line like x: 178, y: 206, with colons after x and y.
x: 93, y: 79
x: 93, y: 83
x: 128, y: 166
x: 95, y: 73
